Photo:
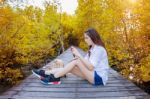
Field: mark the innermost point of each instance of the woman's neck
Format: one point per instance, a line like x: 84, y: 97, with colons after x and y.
x: 93, y: 45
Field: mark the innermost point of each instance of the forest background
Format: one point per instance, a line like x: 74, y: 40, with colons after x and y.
x: 31, y: 36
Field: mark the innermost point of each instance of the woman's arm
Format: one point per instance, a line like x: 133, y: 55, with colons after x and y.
x: 84, y: 61
x: 87, y: 63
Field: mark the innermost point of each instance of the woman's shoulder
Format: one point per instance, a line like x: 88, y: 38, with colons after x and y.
x: 100, y: 48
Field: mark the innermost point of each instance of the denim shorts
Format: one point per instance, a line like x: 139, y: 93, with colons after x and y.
x: 97, y: 79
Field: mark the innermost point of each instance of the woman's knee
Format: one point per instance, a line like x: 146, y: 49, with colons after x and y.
x: 78, y: 62
x: 75, y: 62
x: 74, y: 69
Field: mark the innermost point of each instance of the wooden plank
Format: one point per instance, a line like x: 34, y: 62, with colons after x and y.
x: 120, y: 97
x: 104, y: 94
x: 46, y: 94
x: 103, y: 89
x: 80, y: 85
x: 79, y: 82
x: 34, y: 97
x: 72, y: 94
x: 64, y: 89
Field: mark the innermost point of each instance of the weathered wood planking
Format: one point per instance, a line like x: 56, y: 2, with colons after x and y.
x: 73, y: 87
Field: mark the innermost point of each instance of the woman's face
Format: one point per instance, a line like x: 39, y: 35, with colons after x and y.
x: 87, y: 39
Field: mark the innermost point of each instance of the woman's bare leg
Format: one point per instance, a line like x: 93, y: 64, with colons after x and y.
x: 53, y: 71
x: 65, y: 70
x: 76, y: 71
x: 89, y: 75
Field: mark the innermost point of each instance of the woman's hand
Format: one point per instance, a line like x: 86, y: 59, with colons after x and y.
x: 75, y: 52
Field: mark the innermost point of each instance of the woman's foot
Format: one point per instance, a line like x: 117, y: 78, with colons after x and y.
x: 50, y: 80
x: 39, y: 73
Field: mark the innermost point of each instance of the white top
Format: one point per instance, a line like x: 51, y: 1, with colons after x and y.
x: 99, y: 60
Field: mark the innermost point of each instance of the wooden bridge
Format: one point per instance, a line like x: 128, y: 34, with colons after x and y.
x: 73, y: 87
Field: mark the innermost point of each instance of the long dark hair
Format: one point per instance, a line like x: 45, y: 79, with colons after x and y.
x: 95, y: 37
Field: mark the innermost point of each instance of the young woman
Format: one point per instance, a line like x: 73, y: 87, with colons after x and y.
x: 93, y: 67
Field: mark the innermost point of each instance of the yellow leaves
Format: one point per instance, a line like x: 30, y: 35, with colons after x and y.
x: 12, y: 75
x: 145, y: 68
x: 124, y: 50
x: 25, y: 40
x: 52, y: 52
x: 83, y: 45
x: 1, y: 74
x: 145, y: 72
x: 27, y: 35
x: 22, y: 59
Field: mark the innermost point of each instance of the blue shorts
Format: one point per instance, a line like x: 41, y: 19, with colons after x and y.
x: 97, y: 79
